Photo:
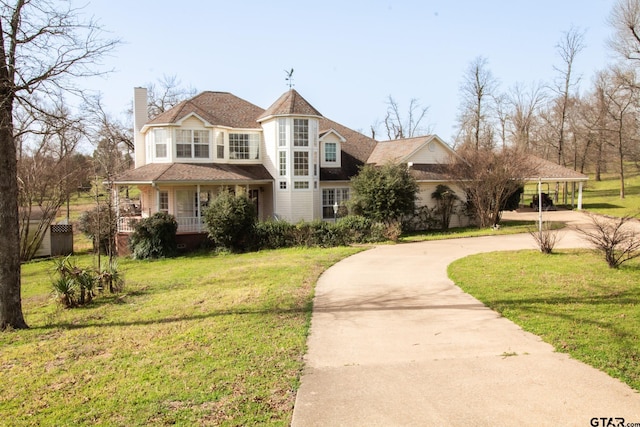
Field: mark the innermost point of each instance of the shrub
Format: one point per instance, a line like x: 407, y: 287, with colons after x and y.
x: 274, y: 234
x: 546, y: 238
x: 360, y: 229
x: 77, y: 286
x: 384, y: 193
x: 613, y: 237
x: 393, y: 230
x: 423, y: 218
x: 446, y: 200
x: 230, y: 221
x: 154, y: 237
x: 101, y: 222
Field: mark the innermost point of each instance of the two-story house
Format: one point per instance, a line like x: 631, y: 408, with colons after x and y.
x: 295, y: 164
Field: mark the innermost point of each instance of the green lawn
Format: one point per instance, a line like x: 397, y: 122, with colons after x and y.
x: 196, y: 340
x: 219, y: 340
x: 571, y: 299
x: 604, y: 196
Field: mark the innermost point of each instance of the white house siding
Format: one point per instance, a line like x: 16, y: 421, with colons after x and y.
x: 283, y: 204
x: 425, y: 156
x: 425, y: 189
x: 303, y: 208
x: 270, y: 141
x: 192, y: 123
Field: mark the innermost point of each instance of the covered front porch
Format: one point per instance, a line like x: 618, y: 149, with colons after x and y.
x: 185, y: 191
x: 187, y: 203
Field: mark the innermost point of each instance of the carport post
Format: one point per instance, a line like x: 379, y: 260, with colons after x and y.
x: 540, y: 208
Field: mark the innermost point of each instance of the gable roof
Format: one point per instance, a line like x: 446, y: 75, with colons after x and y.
x: 217, y: 108
x: 291, y: 103
x: 400, y: 150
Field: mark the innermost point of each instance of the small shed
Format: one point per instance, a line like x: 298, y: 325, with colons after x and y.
x: 57, y: 240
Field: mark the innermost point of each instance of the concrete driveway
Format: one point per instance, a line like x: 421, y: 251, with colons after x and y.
x: 394, y: 342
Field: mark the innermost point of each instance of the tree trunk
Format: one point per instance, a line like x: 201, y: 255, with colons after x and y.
x: 10, y: 301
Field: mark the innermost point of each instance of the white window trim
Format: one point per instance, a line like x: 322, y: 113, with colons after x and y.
x: 192, y: 158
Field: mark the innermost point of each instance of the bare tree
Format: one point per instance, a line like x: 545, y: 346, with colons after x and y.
x: 622, y: 101
x: 593, y: 112
x: 501, y: 107
x: 166, y: 94
x: 570, y: 45
x: 44, y: 48
x: 477, y: 93
x: 47, y: 174
x: 524, y: 112
x: 625, y: 20
x: 489, y: 178
x: 399, y: 126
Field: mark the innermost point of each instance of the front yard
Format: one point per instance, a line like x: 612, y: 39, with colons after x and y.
x: 197, y: 340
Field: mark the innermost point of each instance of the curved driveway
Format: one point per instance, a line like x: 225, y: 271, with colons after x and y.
x: 394, y: 342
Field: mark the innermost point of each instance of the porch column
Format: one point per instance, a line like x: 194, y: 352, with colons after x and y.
x: 157, y: 207
x: 198, y: 208
x: 580, y: 195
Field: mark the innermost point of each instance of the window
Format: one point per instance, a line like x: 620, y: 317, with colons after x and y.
x: 220, y: 145
x: 163, y: 201
x: 283, y: 185
x: 300, y: 163
x: 192, y: 144
x: 330, y: 152
x: 300, y: 132
x: 282, y: 132
x: 329, y: 197
x: 160, y: 141
x: 186, y: 202
x: 283, y: 163
x: 301, y: 185
x: 244, y: 146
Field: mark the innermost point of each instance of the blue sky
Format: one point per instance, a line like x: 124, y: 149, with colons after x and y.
x: 348, y: 56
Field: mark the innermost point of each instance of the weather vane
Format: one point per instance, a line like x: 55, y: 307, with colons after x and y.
x: 289, y: 78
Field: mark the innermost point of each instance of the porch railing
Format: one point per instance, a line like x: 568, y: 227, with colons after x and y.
x: 185, y: 224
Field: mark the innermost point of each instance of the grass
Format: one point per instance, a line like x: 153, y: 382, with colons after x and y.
x: 603, y: 197
x: 196, y: 340
x: 571, y: 299
x: 506, y: 227
x: 219, y: 340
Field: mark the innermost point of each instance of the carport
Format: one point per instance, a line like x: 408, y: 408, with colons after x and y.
x: 552, y: 173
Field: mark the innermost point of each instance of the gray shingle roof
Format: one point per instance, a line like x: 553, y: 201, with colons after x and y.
x: 549, y: 171
x: 217, y: 108
x: 194, y: 172
x: 355, y: 151
x: 396, y: 150
x: 290, y: 103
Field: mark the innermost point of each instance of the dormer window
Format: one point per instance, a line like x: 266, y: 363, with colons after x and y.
x: 192, y: 144
x: 330, y: 152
